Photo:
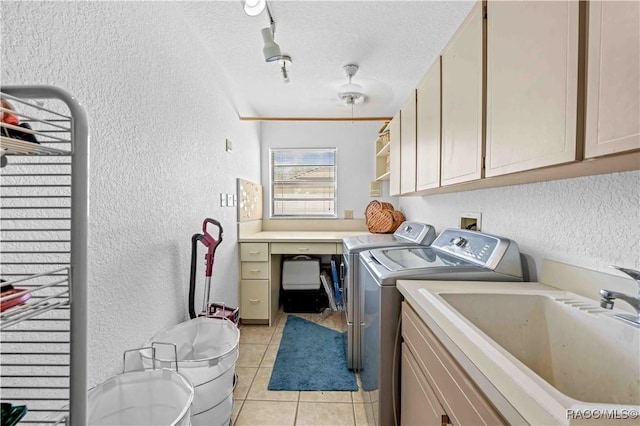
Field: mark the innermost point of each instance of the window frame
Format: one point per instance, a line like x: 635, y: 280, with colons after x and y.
x: 272, y: 183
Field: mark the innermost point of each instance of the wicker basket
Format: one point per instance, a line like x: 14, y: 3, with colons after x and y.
x: 381, y: 217
x: 398, y: 217
x: 376, y: 206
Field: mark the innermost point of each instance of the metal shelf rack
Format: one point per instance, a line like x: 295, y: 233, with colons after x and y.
x: 43, y: 251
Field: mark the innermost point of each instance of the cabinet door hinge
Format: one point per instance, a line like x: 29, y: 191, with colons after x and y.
x: 484, y: 163
x: 484, y: 11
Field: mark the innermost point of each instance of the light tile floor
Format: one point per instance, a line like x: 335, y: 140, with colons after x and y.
x: 255, y: 405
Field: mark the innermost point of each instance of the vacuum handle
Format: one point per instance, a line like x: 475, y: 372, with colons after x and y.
x: 217, y: 224
x: 210, y: 243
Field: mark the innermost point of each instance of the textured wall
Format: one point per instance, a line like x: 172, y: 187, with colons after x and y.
x: 590, y: 221
x: 158, y: 121
x: 355, y: 143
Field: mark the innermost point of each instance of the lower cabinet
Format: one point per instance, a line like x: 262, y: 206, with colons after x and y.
x: 420, y: 405
x: 435, y: 389
x: 254, y: 299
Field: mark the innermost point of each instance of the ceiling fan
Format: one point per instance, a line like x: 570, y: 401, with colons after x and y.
x: 351, y: 93
x: 358, y: 90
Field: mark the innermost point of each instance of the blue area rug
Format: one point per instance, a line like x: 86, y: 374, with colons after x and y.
x: 311, y: 358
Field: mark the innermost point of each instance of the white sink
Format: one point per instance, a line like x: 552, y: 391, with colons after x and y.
x: 552, y: 350
x: 563, y: 340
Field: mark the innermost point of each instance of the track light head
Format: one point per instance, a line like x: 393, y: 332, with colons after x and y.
x: 271, y: 50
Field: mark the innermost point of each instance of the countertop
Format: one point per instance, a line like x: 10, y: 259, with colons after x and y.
x: 299, y: 236
x: 493, y: 383
x: 519, y: 396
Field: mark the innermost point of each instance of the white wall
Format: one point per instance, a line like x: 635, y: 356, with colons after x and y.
x: 590, y: 222
x: 158, y: 120
x: 355, y: 143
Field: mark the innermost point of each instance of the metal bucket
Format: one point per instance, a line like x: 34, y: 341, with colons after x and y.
x: 206, y: 353
x: 150, y: 397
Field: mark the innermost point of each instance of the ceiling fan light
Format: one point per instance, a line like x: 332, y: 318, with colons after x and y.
x: 271, y: 50
x: 352, y: 98
x: 254, y: 7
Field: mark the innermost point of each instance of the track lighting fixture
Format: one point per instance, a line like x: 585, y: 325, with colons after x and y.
x: 284, y: 60
x: 254, y: 7
x: 271, y: 50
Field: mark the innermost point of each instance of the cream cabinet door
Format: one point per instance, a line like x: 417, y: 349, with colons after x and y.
x: 408, y: 146
x: 532, y: 84
x: 428, y: 129
x: 613, y: 78
x: 462, y: 102
x: 394, y: 155
x: 418, y: 403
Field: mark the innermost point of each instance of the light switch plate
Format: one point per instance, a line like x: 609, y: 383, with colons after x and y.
x: 229, y: 200
x: 228, y: 146
x: 223, y: 200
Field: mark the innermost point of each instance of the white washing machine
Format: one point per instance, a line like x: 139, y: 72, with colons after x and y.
x: 408, y: 234
x: 455, y: 255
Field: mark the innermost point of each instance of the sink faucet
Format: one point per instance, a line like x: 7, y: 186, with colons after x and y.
x: 608, y: 296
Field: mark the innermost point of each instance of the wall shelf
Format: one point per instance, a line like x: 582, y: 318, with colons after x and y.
x: 384, y: 176
x: 382, y: 152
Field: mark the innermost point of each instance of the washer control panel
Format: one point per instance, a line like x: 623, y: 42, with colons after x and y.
x: 469, y: 245
x: 416, y: 232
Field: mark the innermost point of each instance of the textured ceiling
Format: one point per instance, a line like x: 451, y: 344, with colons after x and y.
x: 393, y: 43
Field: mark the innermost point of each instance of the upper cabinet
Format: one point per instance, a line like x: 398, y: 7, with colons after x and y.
x: 532, y: 84
x: 428, y: 129
x: 394, y: 155
x: 525, y: 91
x: 462, y: 102
x: 613, y: 78
x: 408, y: 146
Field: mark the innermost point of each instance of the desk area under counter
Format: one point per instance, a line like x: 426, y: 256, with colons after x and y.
x: 263, y: 245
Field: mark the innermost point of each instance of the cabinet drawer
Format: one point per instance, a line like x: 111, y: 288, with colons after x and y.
x: 254, y: 299
x: 460, y: 398
x: 304, y: 248
x: 254, y: 252
x: 255, y: 270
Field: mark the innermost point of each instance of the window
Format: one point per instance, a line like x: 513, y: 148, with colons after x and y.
x: 303, y: 182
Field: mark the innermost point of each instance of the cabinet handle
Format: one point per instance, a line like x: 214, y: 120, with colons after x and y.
x: 254, y: 271
x: 254, y: 252
x: 254, y: 301
x: 303, y: 248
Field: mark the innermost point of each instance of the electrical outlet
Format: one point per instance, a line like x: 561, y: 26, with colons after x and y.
x: 223, y: 200
x: 348, y: 214
x: 472, y: 221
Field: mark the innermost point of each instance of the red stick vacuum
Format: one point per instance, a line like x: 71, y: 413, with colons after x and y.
x: 211, y: 243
